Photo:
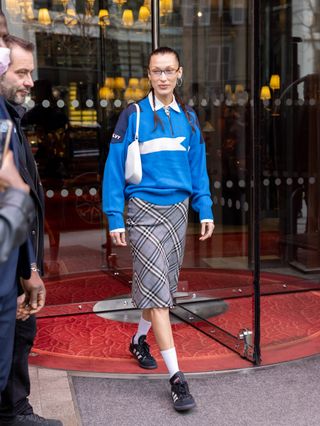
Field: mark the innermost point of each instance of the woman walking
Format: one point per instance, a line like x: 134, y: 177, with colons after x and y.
x: 173, y: 160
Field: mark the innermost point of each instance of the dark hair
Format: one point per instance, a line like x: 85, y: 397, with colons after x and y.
x: 12, y: 40
x: 162, y: 51
x: 3, y: 24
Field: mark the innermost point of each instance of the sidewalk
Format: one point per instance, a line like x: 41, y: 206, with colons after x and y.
x: 279, y: 395
x: 51, y: 395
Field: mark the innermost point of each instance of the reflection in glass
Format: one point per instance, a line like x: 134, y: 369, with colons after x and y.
x: 212, y: 40
x: 291, y: 138
x: 85, y: 58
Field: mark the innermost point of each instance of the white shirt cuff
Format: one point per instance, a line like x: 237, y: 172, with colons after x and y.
x: 118, y: 230
x: 207, y: 220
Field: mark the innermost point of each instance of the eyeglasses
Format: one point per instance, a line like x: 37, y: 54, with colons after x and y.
x: 167, y: 72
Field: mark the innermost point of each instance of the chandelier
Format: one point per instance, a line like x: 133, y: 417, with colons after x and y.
x: 122, y: 15
x: 85, y: 20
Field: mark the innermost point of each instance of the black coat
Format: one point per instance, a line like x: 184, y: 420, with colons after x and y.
x: 29, y: 173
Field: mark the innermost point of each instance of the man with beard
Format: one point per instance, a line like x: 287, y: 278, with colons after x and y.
x: 26, y: 263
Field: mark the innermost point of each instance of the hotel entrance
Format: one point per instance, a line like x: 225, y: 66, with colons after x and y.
x: 251, y: 73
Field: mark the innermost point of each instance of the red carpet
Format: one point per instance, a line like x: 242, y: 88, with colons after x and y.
x: 290, y: 325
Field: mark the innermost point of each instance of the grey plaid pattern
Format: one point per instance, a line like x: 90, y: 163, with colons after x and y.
x: 157, y: 239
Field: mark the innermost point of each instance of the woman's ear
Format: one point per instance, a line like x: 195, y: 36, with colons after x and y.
x: 180, y: 72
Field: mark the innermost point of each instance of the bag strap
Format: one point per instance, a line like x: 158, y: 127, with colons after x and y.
x: 136, y: 137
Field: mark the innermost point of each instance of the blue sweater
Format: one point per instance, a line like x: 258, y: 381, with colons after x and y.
x: 173, y: 161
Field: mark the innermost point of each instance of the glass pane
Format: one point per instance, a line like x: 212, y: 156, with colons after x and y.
x: 291, y: 138
x: 290, y: 181
x: 89, y: 66
x: 212, y: 40
x: 90, y: 62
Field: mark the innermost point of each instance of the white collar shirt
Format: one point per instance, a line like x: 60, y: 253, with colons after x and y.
x: 158, y: 104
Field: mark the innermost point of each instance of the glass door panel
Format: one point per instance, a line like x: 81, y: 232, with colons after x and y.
x: 90, y: 62
x: 290, y: 131
x: 216, y: 280
x: 290, y: 169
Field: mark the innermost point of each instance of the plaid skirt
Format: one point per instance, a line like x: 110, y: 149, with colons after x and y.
x: 157, y: 239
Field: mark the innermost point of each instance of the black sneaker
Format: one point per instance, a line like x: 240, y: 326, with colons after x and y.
x: 182, y: 398
x: 142, y: 354
x: 30, y: 420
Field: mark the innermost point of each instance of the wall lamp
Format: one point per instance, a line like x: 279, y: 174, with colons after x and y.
x: 266, y: 96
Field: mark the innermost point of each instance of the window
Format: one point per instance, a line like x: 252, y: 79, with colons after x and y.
x: 218, y: 63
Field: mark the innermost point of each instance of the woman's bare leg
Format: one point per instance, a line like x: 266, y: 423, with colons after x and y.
x: 161, y: 327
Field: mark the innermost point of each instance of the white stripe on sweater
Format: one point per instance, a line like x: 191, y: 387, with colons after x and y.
x: 162, y: 144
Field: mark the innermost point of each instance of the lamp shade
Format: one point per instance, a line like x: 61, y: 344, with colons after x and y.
x: 144, y: 14
x: 144, y: 84
x: 24, y: 3
x: 13, y: 7
x: 120, y: 83
x: 166, y: 6
x: 29, y: 13
x: 228, y: 89
x: 70, y: 19
x: 104, y: 19
x: 208, y: 127
x: 265, y: 93
x: 44, y: 17
x: 127, y: 18
x: 133, y: 83
x: 109, y: 82
x: 239, y: 88
x: 138, y: 94
x: 275, y: 81
x: 133, y: 94
x: 129, y: 94
x: 162, y: 11
x: 106, y: 93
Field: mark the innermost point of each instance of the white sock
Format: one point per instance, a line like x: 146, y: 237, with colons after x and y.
x: 143, y: 328
x: 170, y: 358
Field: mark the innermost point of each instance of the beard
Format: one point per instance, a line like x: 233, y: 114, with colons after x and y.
x: 18, y: 98
x: 16, y: 95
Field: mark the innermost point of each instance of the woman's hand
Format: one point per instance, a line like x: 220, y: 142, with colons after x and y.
x: 118, y: 238
x: 206, y: 230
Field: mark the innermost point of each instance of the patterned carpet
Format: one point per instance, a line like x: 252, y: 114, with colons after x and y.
x: 290, y: 324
